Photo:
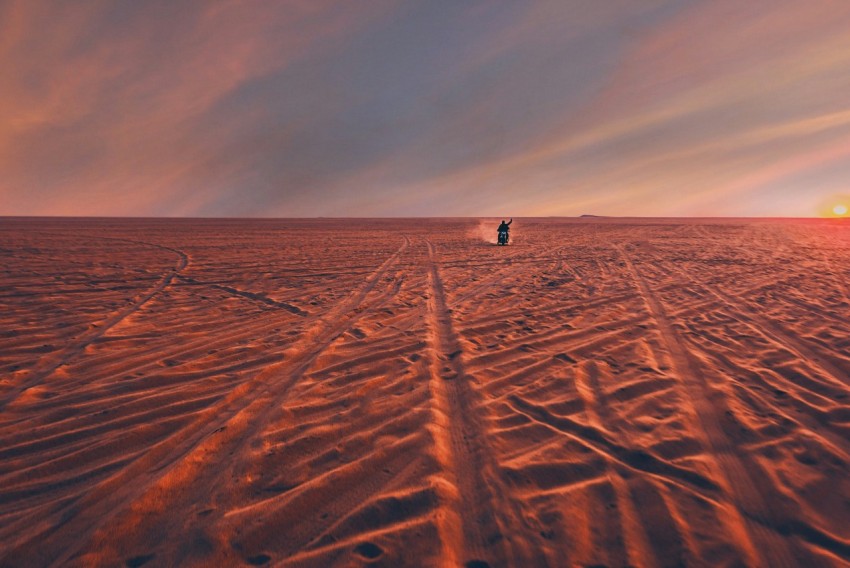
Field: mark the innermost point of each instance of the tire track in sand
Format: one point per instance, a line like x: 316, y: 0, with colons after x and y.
x: 208, y: 485
x: 753, y: 519
x: 253, y: 296
x: 471, y: 533
x: 743, y: 313
x: 777, y: 333
x: 45, y: 368
x: 178, y: 460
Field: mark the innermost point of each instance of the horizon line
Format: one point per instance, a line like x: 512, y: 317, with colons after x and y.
x: 399, y: 217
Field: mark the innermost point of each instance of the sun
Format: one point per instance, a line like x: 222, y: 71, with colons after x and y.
x: 834, y: 206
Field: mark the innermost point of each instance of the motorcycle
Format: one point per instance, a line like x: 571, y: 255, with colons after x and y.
x: 503, y: 238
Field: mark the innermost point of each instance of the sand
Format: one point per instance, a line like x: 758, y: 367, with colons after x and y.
x: 404, y: 393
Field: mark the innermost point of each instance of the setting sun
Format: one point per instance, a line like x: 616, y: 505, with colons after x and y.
x: 834, y: 205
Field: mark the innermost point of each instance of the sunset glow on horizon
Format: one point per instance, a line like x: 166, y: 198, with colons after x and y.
x: 388, y: 108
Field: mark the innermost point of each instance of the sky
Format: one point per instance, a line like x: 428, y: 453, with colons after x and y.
x: 368, y: 108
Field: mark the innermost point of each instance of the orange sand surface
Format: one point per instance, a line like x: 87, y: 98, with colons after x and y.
x: 403, y: 392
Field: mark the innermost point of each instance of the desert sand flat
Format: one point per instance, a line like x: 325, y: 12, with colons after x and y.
x: 602, y: 392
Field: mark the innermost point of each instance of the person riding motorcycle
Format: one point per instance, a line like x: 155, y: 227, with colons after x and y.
x: 504, y: 232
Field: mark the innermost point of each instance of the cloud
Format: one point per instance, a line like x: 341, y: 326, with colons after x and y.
x: 110, y: 106
x: 712, y: 109
x: 231, y: 108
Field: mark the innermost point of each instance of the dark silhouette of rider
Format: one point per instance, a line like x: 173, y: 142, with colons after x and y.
x: 503, y: 230
x: 504, y: 227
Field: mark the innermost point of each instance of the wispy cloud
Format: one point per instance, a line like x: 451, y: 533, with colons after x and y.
x: 669, y: 107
